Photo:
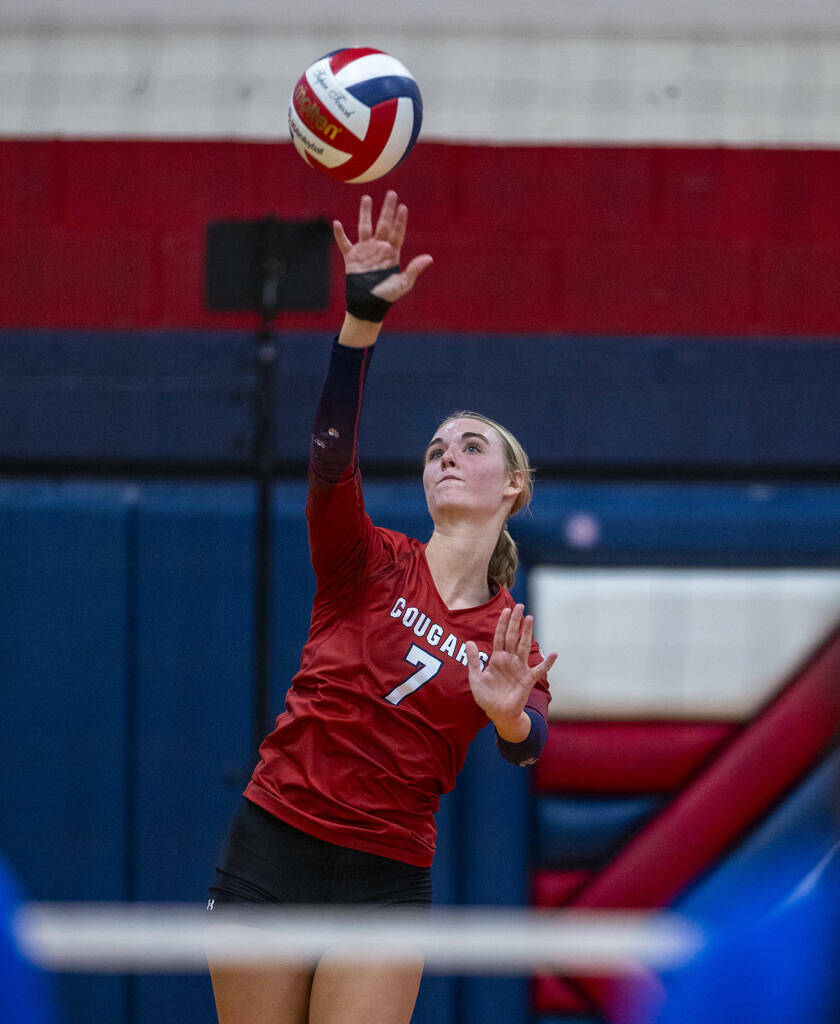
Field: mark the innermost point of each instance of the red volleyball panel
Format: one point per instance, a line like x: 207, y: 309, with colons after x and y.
x: 366, y: 152
x: 313, y: 113
x: 344, y: 57
x: 625, y: 757
x: 555, y: 888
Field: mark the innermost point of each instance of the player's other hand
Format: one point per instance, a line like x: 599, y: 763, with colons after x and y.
x: 380, y: 248
x: 502, y: 687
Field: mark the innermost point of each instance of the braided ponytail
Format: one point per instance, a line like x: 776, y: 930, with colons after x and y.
x: 504, y: 560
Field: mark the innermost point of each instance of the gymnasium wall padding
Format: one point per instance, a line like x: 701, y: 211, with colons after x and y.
x: 126, y: 616
x: 181, y: 398
x: 65, y: 655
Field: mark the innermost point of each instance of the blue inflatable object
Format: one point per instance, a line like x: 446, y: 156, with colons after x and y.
x: 24, y: 998
x: 780, y: 968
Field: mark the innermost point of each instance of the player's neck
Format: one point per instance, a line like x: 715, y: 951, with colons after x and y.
x: 458, y: 564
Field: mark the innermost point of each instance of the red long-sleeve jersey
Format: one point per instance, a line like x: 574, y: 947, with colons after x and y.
x: 379, y: 718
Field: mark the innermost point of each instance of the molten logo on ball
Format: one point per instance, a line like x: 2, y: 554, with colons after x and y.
x: 311, y: 112
x: 355, y: 114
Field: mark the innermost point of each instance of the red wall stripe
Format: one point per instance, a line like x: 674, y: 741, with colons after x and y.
x: 559, y: 239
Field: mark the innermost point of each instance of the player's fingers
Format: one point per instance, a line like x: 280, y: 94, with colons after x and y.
x: 473, y: 660
x: 415, y: 269
x: 341, y: 238
x: 386, y: 215
x: 514, y: 627
x: 544, y: 667
x: 399, y: 226
x: 365, y: 218
x: 525, y: 637
x: 501, y: 629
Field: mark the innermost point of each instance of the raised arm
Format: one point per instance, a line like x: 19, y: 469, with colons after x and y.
x: 373, y: 283
x: 339, y: 531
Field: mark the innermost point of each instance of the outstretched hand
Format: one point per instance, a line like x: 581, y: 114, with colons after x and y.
x: 502, y: 687
x: 379, y: 249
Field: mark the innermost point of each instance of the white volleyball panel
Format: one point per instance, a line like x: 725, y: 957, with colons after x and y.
x: 310, y: 145
x: 677, y: 643
x: 348, y: 111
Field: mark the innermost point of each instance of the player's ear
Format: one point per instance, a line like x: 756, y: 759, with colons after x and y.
x: 515, y: 484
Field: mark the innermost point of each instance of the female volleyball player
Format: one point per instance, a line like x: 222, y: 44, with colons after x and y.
x: 412, y: 649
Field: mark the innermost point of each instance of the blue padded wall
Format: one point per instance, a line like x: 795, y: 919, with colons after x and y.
x: 125, y: 653
x: 65, y: 643
x: 191, y: 703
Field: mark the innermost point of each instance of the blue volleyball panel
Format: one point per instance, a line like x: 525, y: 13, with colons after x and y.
x: 64, y: 650
x: 577, y: 832
x: 771, y: 862
x: 193, y: 704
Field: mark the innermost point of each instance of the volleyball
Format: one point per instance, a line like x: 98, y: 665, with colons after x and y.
x: 355, y: 114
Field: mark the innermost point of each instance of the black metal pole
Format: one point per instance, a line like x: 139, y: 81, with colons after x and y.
x: 264, y: 266
x: 266, y: 361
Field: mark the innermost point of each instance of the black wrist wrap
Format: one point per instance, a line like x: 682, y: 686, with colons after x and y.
x: 358, y: 290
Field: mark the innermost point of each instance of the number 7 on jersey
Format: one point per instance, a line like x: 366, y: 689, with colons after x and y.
x: 429, y: 666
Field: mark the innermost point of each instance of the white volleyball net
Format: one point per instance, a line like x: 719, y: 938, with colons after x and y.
x: 168, y: 938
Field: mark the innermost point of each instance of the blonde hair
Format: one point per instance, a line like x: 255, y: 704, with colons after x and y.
x: 505, y: 557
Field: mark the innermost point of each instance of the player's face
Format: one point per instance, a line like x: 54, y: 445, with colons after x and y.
x: 465, y: 470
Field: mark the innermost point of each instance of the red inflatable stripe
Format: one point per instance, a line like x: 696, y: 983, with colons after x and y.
x: 752, y: 772
x: 554, y: 995
x: 555, y: 888
x: 760, y: 764
x: 625, y: 757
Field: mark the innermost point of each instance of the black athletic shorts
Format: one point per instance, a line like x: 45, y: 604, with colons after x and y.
x: 264, y: 860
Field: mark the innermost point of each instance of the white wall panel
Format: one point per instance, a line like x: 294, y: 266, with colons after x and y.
x: 698, y: 18
x: 476, y: 88
x: 677, y: 643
